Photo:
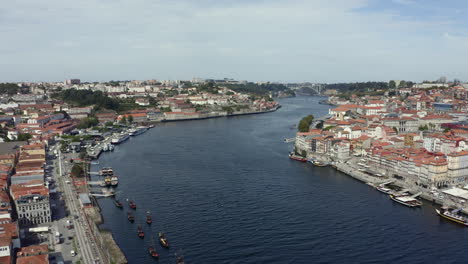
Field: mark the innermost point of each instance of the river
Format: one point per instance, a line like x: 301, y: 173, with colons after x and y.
x: 224, y: 191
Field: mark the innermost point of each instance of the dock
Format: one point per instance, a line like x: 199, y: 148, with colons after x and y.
x: 95, y: 182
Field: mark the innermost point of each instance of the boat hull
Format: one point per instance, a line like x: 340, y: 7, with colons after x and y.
x: 383, y: 190
x: 411, y: 205
x: 458, y: 221
x: 294, y: 157
x: 120, y: 140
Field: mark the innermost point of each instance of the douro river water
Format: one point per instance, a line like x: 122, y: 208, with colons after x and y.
x: 224, y: 191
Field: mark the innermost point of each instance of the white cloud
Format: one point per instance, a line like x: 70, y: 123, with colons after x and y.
x: 404, y: 2
x: 257, y: 40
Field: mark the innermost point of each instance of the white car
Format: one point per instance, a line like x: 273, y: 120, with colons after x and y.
x: 73, y: 253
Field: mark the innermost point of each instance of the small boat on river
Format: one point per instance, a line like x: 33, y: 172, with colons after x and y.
x: 152, y: 252
x: 131, y: 204
x: 140, y: 232
x: 118, y: 204
x: 163, y: 240
x: 148, y: 218
x: 130, y: 217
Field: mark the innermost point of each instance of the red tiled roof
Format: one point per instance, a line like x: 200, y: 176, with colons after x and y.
x: 32, y: 250
x: 38, y: 259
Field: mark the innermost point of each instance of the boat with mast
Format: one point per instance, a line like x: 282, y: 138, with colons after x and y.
x: 130, y: 217
x: 140, y: 232
x: 152, y: 249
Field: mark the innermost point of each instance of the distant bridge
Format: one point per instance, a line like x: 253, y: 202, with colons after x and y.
x: 316, y: 87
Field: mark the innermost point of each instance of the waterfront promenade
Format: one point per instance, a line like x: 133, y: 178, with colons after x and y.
x: 87, y: 246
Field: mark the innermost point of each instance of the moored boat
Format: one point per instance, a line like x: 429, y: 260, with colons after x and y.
x: 163, y: 240
x: 453, y: 215
x: 132, y: 204
x: 108, y: 181
x: 148, y: 218
x: 152, y: 252
x: 140, y: 232
x: 120, y: 138
x: 106, y: 171
x: 114, y: 180
x: 406, y: 200
x: 118, y: 204
x: 383, y: 189
x: 319, y: 164
x: 130, y: 217
x: 298, y: 158
x: 131, y: 132
x: 138, y: 131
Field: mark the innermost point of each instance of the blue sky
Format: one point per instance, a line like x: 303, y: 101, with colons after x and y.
x: 258, y: 40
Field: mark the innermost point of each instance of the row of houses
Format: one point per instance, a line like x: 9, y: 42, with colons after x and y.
x: 406, y: 139
x: 24, y: 200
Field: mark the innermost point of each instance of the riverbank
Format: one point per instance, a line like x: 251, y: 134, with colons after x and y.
x: 364, y: 177
x: 116, y: 254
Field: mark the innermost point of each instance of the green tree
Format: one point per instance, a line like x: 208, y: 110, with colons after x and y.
x: 77, y: 170
x: 402, y: 84
x: 88, y: 97
x: 123, y: 120
x: 83, y: 155
x: 23, y: 137
x: 228, y: 109
x: 392, y: 84
x: 87, y: 122
x: 130, y: 119
x: 152, y: 101
x: 304, y: 124
x: 423, y: 128
x: 109, y: 123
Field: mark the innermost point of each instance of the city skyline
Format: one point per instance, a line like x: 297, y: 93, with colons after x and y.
x: 284, y: 41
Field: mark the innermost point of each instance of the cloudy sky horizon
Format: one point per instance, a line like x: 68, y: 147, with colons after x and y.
x: 256, y: 40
